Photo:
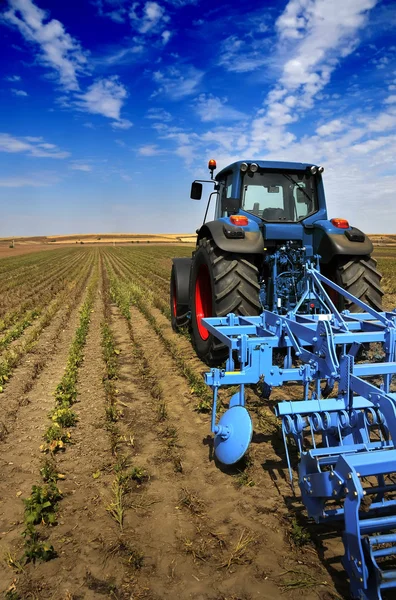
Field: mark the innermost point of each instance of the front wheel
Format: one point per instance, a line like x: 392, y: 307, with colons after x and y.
x: 221, y: 283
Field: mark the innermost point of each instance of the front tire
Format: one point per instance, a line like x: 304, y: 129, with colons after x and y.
x: 221, y: 283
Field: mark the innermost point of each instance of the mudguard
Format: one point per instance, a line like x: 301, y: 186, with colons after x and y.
x: 251, y: 243
x: 181, y: 269
x: 348, y: 242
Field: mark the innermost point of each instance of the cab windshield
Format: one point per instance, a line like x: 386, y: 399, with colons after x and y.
x: 279, y: 196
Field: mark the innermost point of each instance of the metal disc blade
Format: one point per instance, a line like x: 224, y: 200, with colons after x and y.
x: 238, y: 421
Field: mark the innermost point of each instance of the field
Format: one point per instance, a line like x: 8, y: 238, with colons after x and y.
x: 109, y: 487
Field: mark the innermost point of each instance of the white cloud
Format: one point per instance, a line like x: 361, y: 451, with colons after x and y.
x: 166, y: 36
x: 113, y: 9
x: 211, y: 108
x: 178, y: 82
x: 104, y: 97
x: 159, y: 114
x: 13, y: 78
x: 33, y: 146
x: 149, y: 17
x: 78, y: 166
x: 19, y: 92
x: 242, y: 56
x: 149, y: 150
x: 122, y: 124
x: 334, y: 126
x: 390, y: 99
x: 58, y: 49
x: 314, y: 36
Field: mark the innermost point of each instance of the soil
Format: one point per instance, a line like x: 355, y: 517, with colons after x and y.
x: 191, y: 528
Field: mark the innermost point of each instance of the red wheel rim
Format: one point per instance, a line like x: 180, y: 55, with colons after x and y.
x: 174, y: 299
x: 203, y: 299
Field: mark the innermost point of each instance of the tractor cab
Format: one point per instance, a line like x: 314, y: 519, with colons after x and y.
x: 273, y: 192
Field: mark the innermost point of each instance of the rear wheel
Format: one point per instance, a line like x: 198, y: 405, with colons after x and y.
x: 221, y: 283
x: 359, y: 276
x: 179, y: 312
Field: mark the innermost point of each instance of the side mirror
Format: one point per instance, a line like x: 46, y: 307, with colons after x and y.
x: 230, y: 205
x: 196, y: 191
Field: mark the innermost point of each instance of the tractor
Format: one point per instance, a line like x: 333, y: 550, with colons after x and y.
x: 285, y: 296
x: 259, y: 207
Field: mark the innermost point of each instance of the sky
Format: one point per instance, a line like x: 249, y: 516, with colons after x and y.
x: 110, y: 108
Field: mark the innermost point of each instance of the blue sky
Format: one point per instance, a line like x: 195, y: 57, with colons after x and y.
x: 109, y: 108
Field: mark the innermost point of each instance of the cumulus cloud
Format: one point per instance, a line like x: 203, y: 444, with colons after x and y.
x: 13, y: 78
x: 57, y: 49
x: 33, y: 146
x: 334, y: 126
x: 104, y: 97
x: 147, y: 18
x: 166, y: 36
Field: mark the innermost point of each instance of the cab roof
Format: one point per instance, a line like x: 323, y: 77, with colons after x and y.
x: 266, y: 164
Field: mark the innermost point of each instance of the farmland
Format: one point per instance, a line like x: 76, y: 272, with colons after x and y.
x: 109, y: 487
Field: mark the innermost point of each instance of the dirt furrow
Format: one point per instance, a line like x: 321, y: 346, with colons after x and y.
x: 227, y: 510
x: 20, y: 454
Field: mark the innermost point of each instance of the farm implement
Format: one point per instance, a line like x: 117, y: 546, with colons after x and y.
x: 281, y: 294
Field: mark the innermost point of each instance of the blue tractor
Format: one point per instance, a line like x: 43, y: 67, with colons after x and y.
x: 260, y: 206
x: 285, y: 295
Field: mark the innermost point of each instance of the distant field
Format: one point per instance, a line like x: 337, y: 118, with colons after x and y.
x: 25, y: 245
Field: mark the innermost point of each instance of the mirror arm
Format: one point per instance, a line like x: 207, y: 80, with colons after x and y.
x: 207, y: 206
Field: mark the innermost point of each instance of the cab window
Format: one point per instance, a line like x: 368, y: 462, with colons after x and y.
x: 281, y: 196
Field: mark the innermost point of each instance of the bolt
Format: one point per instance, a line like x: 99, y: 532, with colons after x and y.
x: 358, y: 475
x: 364, y: 492
x: 332, y: 474
x: 355, y: 493
x: 305, y: 479
x: 359, y: 563
x: 335, y: 493
x: 349, y: 475
x: 339, y: 482
x: 346, y: 490
x: 352, y: 558
x: 361, y: 579
x: 308, y: 478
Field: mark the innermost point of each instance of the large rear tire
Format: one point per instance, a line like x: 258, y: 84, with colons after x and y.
x: 358, y: 275
x: 221, y: 283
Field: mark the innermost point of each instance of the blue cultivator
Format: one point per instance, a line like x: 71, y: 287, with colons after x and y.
x: 346, y: 442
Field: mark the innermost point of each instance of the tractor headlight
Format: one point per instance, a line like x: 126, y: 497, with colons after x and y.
x: 244, y: 167
x: 320, y: 169
x: 313, y: 170
x: 253, y: 167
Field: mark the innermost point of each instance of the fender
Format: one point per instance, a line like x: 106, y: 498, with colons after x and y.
x: 329, y: 241
x: 251, y: 243
x: 181, y: 268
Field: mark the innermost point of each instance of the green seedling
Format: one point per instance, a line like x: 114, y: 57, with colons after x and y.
x: 41, y: 506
